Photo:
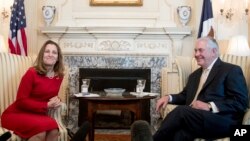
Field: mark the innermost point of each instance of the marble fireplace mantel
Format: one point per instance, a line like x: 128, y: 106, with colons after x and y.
x: 118, y: 40
x: 179, y: 31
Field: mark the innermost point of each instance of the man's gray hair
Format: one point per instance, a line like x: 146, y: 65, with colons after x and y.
x: 211, y: 43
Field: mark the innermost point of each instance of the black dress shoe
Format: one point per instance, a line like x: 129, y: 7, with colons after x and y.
x: 82, y: 132
x: 141, y: 131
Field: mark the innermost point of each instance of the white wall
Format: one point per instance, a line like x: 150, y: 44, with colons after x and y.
x: 4, y: 22
x: 153, y: 13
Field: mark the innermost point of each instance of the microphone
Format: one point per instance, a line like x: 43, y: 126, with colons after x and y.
x: 5, y: 136
x: 140, y: 131
x: 82, y: 132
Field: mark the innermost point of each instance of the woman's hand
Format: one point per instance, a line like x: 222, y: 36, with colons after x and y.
x: 162, y: 102
x: 54, y: 102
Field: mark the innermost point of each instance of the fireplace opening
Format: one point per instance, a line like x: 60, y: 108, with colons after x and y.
x: 102, y: 78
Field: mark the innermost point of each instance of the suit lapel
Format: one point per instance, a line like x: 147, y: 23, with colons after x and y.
x: 212, y: 73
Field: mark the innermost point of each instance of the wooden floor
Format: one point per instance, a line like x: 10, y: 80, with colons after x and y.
x: 103, y: 134
x: 112, y: 137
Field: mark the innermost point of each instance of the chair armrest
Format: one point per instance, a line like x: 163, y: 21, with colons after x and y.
x: 246, y: 119
x: 164, y: 81
x: 59, y: 114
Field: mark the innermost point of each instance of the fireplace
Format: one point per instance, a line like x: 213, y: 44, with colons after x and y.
x: 101, y: 78
x: 154, y: 63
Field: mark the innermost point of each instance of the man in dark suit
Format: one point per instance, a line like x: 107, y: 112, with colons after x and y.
x: 214, y: 99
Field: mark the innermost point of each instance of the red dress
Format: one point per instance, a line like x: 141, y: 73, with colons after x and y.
x: 27, y: 116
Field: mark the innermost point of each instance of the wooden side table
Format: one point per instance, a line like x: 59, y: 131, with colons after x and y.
x: 88, y: 106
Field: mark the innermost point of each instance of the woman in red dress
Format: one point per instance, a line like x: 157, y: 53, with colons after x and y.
x: 37, y: 92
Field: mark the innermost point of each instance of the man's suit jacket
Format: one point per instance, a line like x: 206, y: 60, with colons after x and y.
x: 225, y: 86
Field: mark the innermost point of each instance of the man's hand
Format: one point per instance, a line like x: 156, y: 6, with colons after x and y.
x: 54, y: 102
x: 162, y: 102
x: 200, y: 105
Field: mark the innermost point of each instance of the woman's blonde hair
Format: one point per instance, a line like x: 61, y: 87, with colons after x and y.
x: 58, y: 67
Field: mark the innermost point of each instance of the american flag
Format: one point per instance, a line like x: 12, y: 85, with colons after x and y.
x: 206, y: 22
x: 17, y: 36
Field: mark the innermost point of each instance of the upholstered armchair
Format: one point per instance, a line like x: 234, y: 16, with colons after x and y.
x: 173, y: 81
x: 12, y: 68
